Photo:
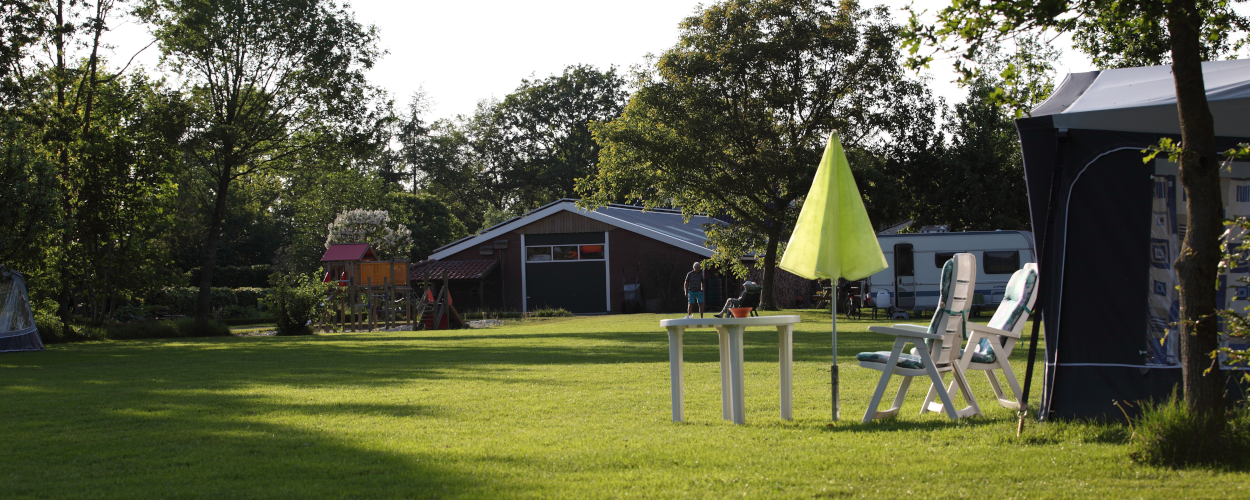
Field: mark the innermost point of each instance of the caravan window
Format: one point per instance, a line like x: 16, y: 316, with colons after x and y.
x: 940, y: 258
x: 1000, y: 262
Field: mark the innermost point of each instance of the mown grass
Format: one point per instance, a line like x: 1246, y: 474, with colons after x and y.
x: 558, y: 408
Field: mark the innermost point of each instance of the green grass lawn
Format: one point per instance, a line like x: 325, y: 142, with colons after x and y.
x: 563, y: 408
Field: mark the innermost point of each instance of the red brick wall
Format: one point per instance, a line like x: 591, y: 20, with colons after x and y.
x: 631, y: 257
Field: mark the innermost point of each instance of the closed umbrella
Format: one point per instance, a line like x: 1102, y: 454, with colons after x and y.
x: 833, y: 237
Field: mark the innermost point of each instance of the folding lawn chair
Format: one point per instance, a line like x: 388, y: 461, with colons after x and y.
x: 936, y: 346
x: 989, y: 346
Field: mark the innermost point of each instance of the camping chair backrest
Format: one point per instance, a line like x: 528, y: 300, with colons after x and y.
x: 750, y: 297
x: 959, y: 277
x: 1017, y: 305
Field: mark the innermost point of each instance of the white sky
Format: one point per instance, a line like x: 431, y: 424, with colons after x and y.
x: 464, y: 51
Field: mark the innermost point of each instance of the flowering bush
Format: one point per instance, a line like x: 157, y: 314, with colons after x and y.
x: 369, y: 226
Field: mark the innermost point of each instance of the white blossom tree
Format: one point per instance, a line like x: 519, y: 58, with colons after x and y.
x: 370, y: 226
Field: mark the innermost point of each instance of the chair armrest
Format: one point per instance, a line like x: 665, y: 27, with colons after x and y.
x: 911, y: 328
x: 904, y: 332
x: 994, y: 331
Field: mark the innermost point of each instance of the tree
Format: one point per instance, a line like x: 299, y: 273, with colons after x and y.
x: 515, y: 154
x: 733, y: 119
x: 428, y: 219
x: 1130, y: 33
x: 268, y: 84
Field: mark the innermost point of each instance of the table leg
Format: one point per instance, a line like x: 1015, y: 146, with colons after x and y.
x: 785, y: 340
x: 726, y: 394
x: 735, y: 368
x: 675, y: 368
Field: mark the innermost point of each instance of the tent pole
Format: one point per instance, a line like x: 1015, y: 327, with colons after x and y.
x: 1028, y: 372
x: 833, y: 370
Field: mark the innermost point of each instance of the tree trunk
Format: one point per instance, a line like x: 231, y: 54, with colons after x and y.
x: 66, y: 295
x: 204, y: 301
x: 770, y: 268
x: 1199, y: 257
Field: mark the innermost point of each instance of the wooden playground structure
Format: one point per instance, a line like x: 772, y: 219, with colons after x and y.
x: 372, y: 294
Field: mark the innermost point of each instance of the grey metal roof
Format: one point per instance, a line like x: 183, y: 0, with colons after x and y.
x: 661, y: 224
x: 668, y: 222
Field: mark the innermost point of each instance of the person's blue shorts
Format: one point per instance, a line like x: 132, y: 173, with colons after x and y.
x: 695, y: 297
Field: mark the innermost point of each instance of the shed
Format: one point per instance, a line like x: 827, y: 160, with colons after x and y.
x: 559, y: 255
x: 1112, y: 226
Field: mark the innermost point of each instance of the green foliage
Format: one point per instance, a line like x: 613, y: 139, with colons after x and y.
x: 256, y: 276
x: 311, y: 200
x: 515, y: 154
x: 31, y: 194
x: 51, y: 329
x: 229, y: 302
x: 547, y: 312
x: 1114, y: 34
x: 733, y: 119
x: 166, y: 329
x: 295, y: 301
x: 1168, y: 434
x: 430, y: 221
x: 270, y: 87
x: 1135, y: 34
x: 188, y: 327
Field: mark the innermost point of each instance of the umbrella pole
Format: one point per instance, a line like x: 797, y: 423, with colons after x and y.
x: 833, y: 371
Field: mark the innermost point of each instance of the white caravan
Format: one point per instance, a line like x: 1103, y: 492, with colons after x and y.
x: 916, y: 261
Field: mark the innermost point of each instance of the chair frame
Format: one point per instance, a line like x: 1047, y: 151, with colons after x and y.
x: 937, y: 357
x: 1002, y: 350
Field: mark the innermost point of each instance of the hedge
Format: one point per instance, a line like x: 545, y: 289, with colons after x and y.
x: 236, y: 276
x: 182, y: 300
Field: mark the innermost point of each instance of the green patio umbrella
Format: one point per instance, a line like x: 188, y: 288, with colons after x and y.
x: 833, y: 237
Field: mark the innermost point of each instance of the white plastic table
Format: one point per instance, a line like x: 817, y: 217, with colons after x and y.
x: 731, y: 330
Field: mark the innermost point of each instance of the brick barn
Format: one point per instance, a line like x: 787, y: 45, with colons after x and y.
x: 562, y: 256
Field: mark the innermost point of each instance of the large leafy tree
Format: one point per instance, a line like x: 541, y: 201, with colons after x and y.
x: 732, y: 120
x: 268, y: 84
x: 518, y: 153
x: 1182, y: 33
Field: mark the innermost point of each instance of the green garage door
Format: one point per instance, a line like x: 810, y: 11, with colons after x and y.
x: 567, y: 270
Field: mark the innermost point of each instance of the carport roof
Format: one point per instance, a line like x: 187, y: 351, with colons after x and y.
x: 456, y: 269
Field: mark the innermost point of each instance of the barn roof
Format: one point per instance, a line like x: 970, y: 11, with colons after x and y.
x: 664, y: 225
x: 456, y: 269
x: 349, y: 252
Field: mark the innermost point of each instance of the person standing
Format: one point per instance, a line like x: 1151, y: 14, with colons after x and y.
x: 694, y: 291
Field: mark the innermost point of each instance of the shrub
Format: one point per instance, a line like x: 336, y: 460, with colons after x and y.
x: 235, y: 276
x: 550, y: 313
x: 295, y: 300
x: 187, y: 327
x: 165, y: 329
x: 51, y: 329
x: 1166, y: 434
x: 148, y: 329
x: 229, y: 301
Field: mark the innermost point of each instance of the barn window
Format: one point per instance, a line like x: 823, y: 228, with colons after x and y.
x: 592, y: 252
x: 564, y: 253
x: 537, y: 254
x: 1000, y: 262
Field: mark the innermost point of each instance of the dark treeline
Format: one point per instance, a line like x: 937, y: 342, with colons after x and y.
x: 259, y: 128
